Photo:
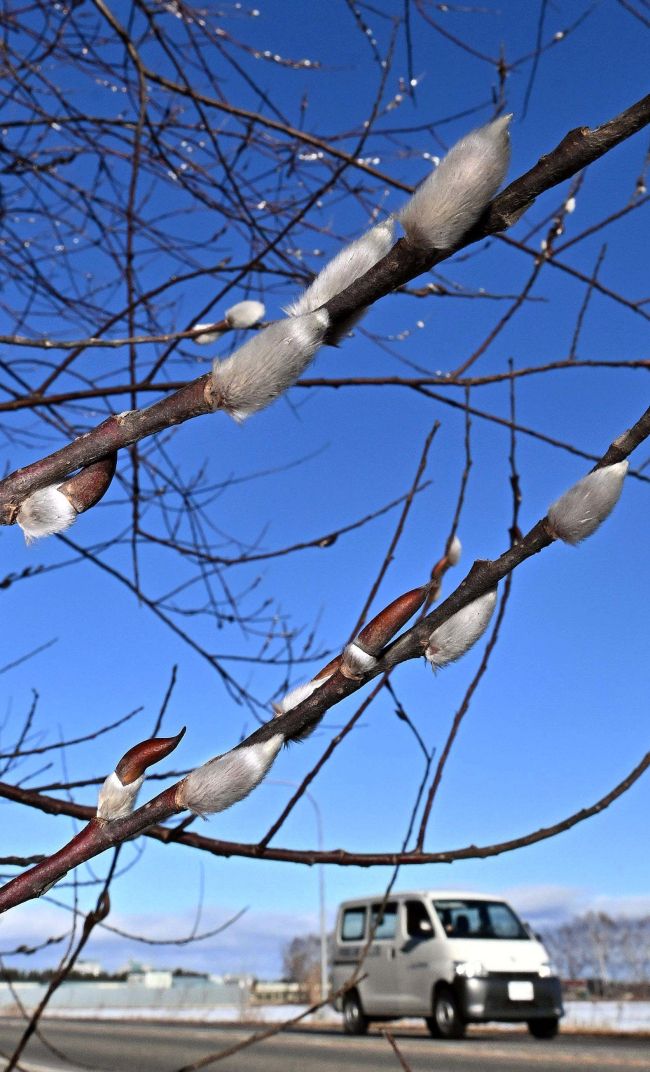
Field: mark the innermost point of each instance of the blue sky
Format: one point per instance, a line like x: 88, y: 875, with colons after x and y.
x: 562, y: 714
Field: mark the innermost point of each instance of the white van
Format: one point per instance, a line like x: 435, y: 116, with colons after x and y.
x: 453, y: 958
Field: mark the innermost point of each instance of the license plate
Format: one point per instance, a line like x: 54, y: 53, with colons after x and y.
x: 521, y: 990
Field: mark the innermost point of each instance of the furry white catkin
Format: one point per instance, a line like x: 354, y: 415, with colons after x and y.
x: 245, y: 314
x: 454, y: 551
x: 222, y: 781
x: 453, y: 197
x: 297, y: 695
x: 579, y: 512
x: 116, y: 800
x: 460, y: 632
x: 356, y: 662
x: 346, y: 267
x: 45, y: 512
x: 264, y: 367
x: 207, y: 336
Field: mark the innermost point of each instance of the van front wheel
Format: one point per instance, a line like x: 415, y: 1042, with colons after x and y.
x: 545, y: 1028
x: 447, y: 1021
x: 355, y: 1021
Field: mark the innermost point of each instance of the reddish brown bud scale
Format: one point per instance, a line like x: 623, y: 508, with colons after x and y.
x: 87, y: 487
x: 441, y: 566
x: 450, y: 558
x: 99, y: 913
x: 327, y: 671
x: 134, y: 763
x: 375, y: 635
x: 435, y: 583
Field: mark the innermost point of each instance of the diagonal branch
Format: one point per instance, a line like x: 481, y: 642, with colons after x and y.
x: 299, y: 721
x: 578, y: 149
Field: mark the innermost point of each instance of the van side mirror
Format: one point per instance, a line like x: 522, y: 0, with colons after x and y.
x: 426, y: 930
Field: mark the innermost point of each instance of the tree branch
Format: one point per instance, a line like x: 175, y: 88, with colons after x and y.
x: 403, y: 263
x: 25, y: 887
x: 301, y: 720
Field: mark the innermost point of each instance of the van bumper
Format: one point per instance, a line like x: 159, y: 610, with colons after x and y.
x: 487, y: 999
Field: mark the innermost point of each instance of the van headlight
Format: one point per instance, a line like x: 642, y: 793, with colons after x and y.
x: 470, y: 969
x: 546, y: 970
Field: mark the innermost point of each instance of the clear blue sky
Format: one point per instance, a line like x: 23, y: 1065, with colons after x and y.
x: 562, y: 714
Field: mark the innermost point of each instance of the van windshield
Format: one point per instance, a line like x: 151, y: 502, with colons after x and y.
x: 479, y: 919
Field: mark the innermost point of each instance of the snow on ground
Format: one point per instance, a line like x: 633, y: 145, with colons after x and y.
x: 608, y: 1015
x: 617, y: 1016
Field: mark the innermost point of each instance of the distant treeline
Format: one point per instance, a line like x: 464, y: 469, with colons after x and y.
x: 45, y: 975
x: 602, y: 949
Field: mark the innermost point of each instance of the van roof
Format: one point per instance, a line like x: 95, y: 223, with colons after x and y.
x: 401, y: 895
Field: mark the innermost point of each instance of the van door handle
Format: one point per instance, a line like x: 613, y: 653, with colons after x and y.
x: 391, y: 954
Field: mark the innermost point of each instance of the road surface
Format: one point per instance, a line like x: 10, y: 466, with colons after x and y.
x: 137, y: 1047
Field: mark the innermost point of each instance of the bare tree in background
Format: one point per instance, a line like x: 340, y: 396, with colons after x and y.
x: 301, y: 963
x: 140, y: 201
x: 602, y: 947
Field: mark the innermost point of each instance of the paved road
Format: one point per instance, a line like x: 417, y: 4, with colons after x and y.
x: 136, y: 1047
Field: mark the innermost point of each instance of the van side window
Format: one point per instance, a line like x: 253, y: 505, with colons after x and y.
x: 354, y: 924
x: 387, y: 925
x: 418, y: 920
